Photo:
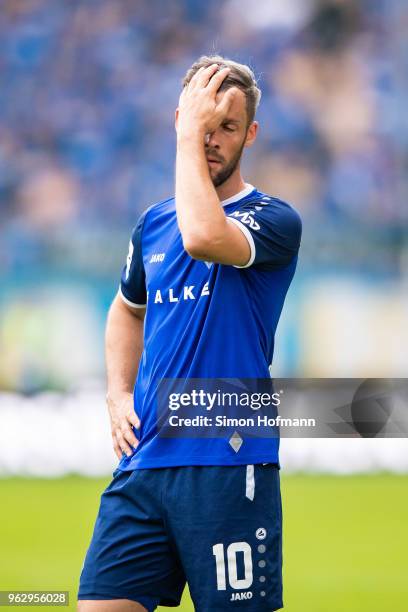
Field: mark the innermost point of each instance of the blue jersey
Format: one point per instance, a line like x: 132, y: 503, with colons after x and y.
x: 207, y: 320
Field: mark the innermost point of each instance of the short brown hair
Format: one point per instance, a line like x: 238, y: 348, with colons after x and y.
x: 240, y: 76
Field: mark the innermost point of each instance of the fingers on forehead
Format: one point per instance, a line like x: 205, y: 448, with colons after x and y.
x: 218, y: 78
x: 205, y: 72
x: 199, y: 72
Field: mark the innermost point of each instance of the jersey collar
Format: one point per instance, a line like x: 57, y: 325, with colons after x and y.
x: 238, y: 196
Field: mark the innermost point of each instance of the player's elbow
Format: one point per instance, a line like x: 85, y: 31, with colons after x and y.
x: 196, y: 249
x: 200, y: 246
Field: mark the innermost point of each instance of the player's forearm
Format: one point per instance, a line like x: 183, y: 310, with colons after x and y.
x: 123, y: 348
x: 200, y: 215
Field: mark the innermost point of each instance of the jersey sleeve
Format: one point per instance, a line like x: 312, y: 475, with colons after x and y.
x: 133, y: 281
x: 273, y: 230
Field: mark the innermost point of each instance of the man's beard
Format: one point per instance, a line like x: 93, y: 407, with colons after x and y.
x: 224, y: 174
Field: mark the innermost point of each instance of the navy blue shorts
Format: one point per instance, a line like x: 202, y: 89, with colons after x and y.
x: 218, y: 528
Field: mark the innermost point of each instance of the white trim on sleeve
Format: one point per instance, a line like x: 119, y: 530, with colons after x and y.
x: 128, y: 302
x: 248, y: 236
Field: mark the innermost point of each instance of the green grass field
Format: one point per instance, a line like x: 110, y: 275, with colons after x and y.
x: 345, y: 539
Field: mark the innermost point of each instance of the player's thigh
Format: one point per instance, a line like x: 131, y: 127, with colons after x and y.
x: 110, y: 605
x: 228, y: 528
x: 130, y: 556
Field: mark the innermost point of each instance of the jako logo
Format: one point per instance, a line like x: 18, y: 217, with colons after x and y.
x: 241, y: 596
x: 156, y: 257
x: 245, y: 217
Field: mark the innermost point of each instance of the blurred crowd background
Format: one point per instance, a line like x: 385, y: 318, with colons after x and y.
x: 88, y: 93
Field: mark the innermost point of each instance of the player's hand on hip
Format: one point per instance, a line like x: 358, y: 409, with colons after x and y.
x: 199, y: 110
x: 123, y: 417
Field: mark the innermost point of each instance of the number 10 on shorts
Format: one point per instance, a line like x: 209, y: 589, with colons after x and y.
x: 232, y: 550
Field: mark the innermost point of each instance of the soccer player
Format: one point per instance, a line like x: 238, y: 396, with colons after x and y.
x: 200, y: 297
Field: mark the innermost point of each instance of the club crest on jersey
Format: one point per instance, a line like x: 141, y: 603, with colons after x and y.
x: 247, y: 218
x: 186, y: 293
